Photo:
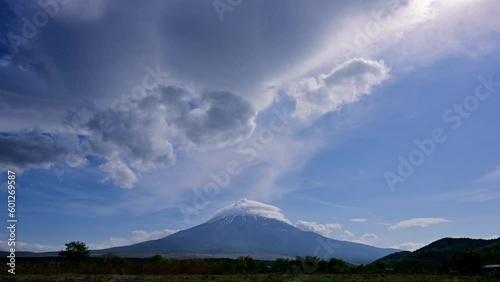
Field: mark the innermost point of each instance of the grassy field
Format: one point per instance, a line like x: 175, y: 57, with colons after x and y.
x: 249, y: 278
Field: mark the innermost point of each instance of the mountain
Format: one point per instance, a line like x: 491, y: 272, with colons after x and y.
x: 443, y: 254
x: 250, y: 228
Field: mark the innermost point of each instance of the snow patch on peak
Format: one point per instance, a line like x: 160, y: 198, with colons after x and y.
x: 245, y: 208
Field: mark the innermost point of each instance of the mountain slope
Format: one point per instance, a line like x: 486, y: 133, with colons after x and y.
x: 248, y: 233
x: 441, y: 250
x: 437, y: 256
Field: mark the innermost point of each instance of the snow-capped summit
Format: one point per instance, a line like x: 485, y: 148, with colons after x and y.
x: 248, y: 208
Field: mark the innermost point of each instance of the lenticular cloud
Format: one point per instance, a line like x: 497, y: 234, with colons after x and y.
x: 246, y: 207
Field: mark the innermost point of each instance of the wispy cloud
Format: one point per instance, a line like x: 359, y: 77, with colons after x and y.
x: 358, y: 219
x: 367, y: 238
x: 477, y: 195
x: 418, y: 222
x: 416, y: 31
x: 349, y: 233
x: 409, y: 246
x: 323, y: 229
x: 31, y: 247
x: 135, y: 236
x: 326, y: 203
x: 484, y: 188
x: 490, y: 177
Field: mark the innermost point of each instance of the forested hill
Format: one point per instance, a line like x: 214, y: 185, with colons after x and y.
x: 463, y: 255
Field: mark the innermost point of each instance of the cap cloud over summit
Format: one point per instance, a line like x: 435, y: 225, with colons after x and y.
x: 246, y: 207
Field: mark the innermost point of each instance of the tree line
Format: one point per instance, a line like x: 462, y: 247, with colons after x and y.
x: 76, y: 259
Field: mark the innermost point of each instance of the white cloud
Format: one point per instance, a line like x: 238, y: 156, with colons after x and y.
x: 285, y: 154
x: 454, y: 27
x: 384, y: 223
x: 246, y: 207
x: 491, y: 177
x: 5, y: 61
x: 349, y: 233
x: 136, y: 236
x: 367, y: 238
x: 120, y: 173
x: 322, y: 229
x: 358, y: 219
x: 345, y: 84
x: 409, y: 246
x: 28, y: 247
x: 477, y: 195
x: 483, y: 189
x: 411, y: 32
x: 417, y: 222
x: 83, y: 11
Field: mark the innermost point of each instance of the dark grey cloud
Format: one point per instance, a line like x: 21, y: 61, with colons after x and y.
x: 135, y: 134
x: 33, y: 148
x: 220, y: 118
x: 256, y: 41
x: 98, y: 50
x: 139, y: 134
x: 101, y: 51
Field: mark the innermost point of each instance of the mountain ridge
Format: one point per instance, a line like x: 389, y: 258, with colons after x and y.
x: 253, y: 235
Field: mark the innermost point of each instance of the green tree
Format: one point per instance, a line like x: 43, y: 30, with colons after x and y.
x: 156, y: 258
x: 241, y: 265
x: 310, y: 264
x: 467, y: 262
x: 75, y: 251
x: 338, y: 266
x: 283, y: 264
x: 250, y: 263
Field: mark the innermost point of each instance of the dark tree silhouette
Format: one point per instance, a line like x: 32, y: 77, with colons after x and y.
x: 338, y: 266
x: 241, y: 265
x: 467, y: 262
x: 75, y: 251
x: 250, y: 263
x: 156, y: 258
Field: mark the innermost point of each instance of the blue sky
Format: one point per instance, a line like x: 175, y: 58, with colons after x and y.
x: 128, y: 121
